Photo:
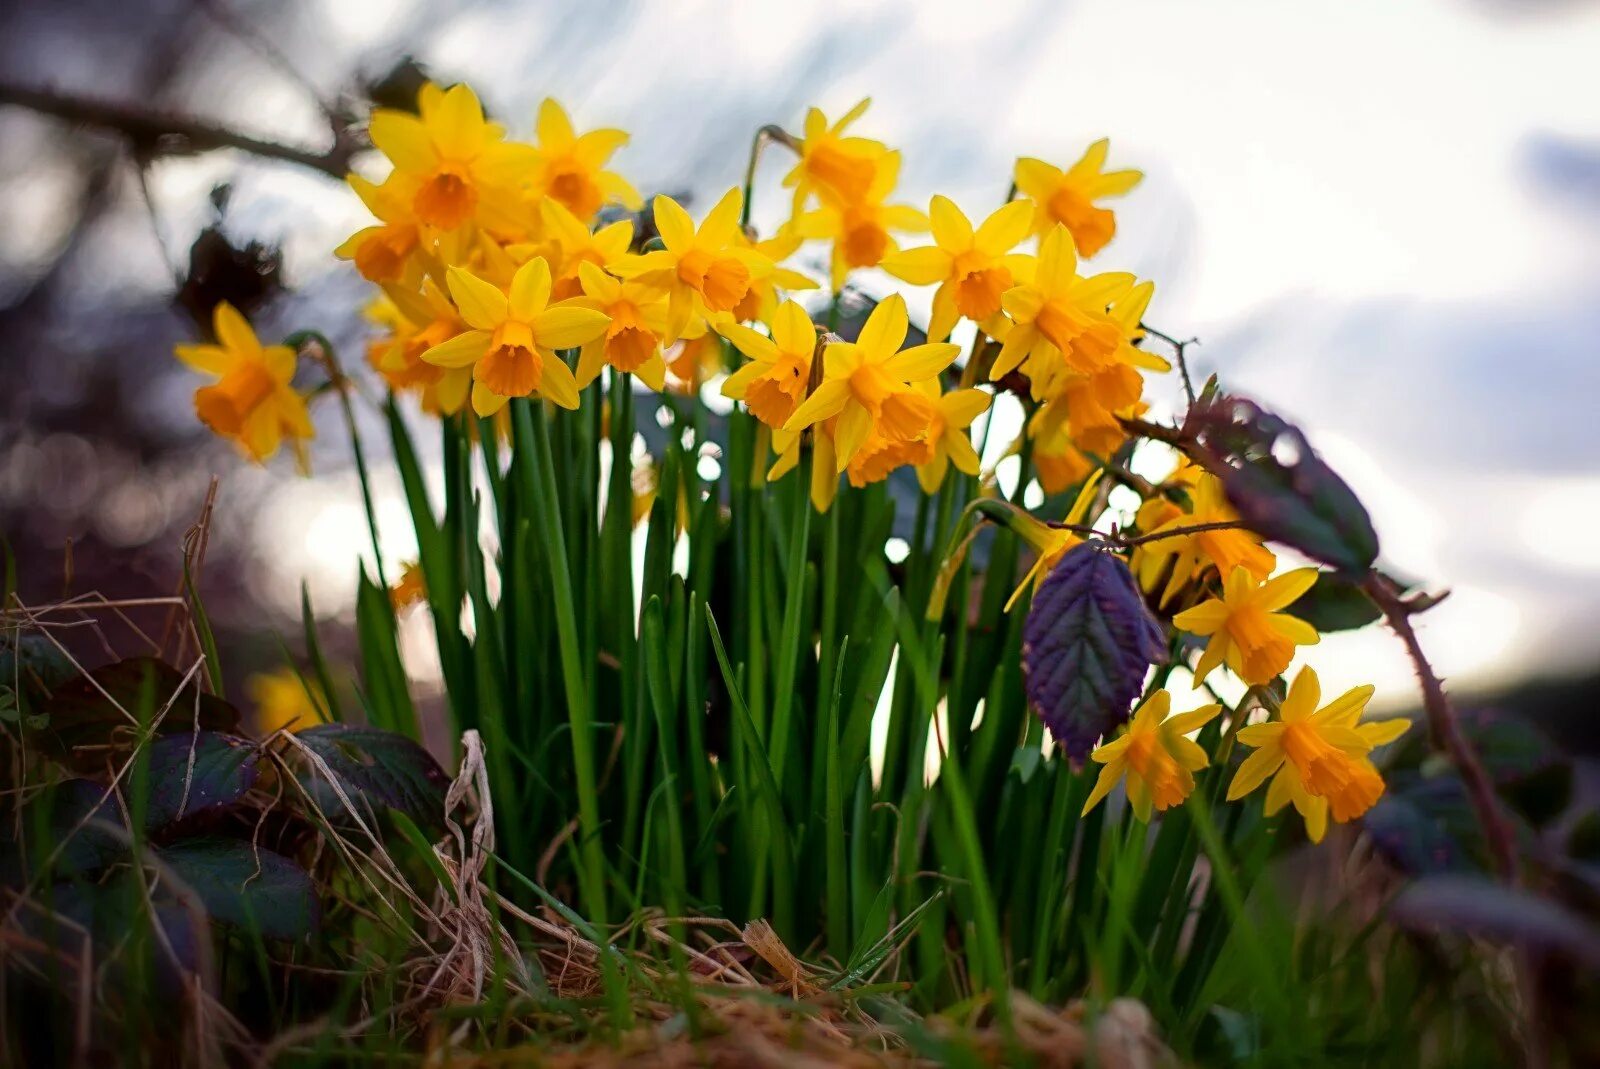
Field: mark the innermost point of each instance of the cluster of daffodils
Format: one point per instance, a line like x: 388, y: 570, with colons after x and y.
x: 512, y: 269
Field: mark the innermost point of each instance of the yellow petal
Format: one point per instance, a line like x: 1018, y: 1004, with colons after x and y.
x: 921, y: 267
x: 1109, y: 775
x: 463, y: 350
x: 950, y: 227
x: 233, y: 330
x: 557, y: 382
x: 567, y: 325
x: 403, y: 139
x: 885, y: 328
x: 792, y: 329
x: 825, y: 401
x: 1005, y: 229
x: 1204, y: 619
x: 673, y: 224
x: 1282, y: 590
x: 855, y: 422
x: 722, y: 222
x: 1254, y: 771
x: 482, y: 305
x: 921, y: 361
x: 1383, y: 732
x: 530, y: 289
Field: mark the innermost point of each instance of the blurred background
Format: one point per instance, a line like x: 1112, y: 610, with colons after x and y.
x: 1380, y: 219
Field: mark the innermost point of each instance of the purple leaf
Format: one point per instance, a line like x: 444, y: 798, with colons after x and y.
x: 1087, y: 643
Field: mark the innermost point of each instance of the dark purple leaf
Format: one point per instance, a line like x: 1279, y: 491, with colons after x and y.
x: 378, y: 767
x: 1087, y: 643
x: 1277, y: 483
x: 1477, y: 906
x: 87, y: 728
x: 247, y: 885
x: 223, y: 770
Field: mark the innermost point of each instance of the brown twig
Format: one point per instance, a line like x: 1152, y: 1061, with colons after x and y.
x: 1178, y: 348
x: 1129, y: 542
x: 153, y: 133
x: 1445, y: 728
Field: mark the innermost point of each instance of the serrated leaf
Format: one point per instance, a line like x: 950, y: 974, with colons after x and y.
x: 246, y: 885
x: 1278, y: 484
x: 1087, y: 643
x: 223, y: 770
x: 380, y: 767
x: 89, y: 716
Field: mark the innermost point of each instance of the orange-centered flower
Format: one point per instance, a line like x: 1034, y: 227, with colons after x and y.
x: 774, y: 383
x: 861, y: 229
x: 569, y: 168
x: 1191, y: 555
x: 1317, y: 758
x: 833, y: 164
x: 1066, y: 198
x: 1246, y: 627
x: 510, y: 346
x: 381, y: 253
x: 252, y: 401
x: 632, y: 341
x: 455, y: 161
x: 974, y: 268
x: 867, y: 383
x: 1154, y: 756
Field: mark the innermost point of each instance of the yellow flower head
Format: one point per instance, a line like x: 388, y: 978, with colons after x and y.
x: 1052, y: 543
x: 252, y: 401
x: 1317, y: 758
x: 458, y: 165
x: 774, y: 383
x: 1247, y: 628
x: 696, y: 357
x: 1191, y: 555
x: 1154, y: 755
x: 419, y: 322
x: 510, y: 348
x: 570, y: 169
x: 1066, y: 198
x: 285, y: 702
x: 382, y: 253
x: 867, y: 383
x: 1062, y: 319
x: 632, y: 341
x: 410, y: 589
x: 832, y: 163
x: 571, y: 244
x: 948, y: 435
x: 860, y: 230
x: 705, y: 270
x: 974, y: 268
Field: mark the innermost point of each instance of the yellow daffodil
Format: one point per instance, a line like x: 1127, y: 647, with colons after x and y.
x: 252, y: 401
x: 1248, y: 631
x: 860, y: 230
x: 1190, y: 555
x: 1052, y: 543
x: 830, y: 161
x: 1154, y: 755
x: 702, y: 270
x: 867, y: 383
x: 459, y: 165
x: 632, y: 341
x: 410, y: 589
x: 974, y: 268
x: 761, y: 300
x: 878, y: 456
x: 285, y: 702
x: 696, y: 357
x: 1066, y: 198
x: 774, y: 383
x: 569, y: 168
x: 948, y: 435
x: 824, y: 471
x: 1317, y: 758
x: 510, y: 348
x: 1059, y: 463
x: 1062, y: 320
x: 571, y: 244
x: 383, y: 252
x: 421, y: 321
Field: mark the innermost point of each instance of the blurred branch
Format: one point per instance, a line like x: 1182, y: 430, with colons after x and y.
x: 153, y: 133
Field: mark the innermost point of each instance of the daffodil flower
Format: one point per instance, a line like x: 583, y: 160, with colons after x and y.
x: 866, y: 383
x: 1052, y: 543
x: 1248, y: 631
x: 775, y: 381
x: 632, y: 341
x: 285, y: 701
x: 1154, y: 756
x: 573, y: 244
x: 974, y: 268
x: 860, y: 230
x: 252, y: 401
x: 383, y: 252
x: 460, y: 165
x: 510, y: 348
x: 1061, y: 318
x: 569, y: 168
x: 1192, y: 554
x: 423, y: 320
x: 1317, y: 758
x: 1066, y: 198
x: 843, y: 166
x: 702, y: 269
x: 948, y: 436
